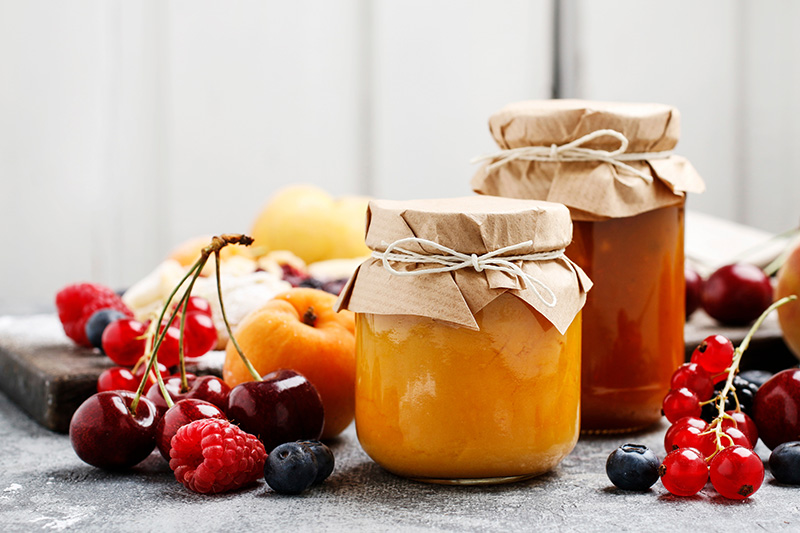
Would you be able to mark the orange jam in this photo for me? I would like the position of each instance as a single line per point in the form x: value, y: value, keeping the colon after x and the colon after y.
x: 448, y: 404
x: 634, y: 316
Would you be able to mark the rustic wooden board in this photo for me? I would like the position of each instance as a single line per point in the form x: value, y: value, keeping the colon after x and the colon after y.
x: 46, y: 375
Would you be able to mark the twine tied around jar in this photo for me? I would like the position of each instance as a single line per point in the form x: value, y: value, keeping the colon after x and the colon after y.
x: 574, y: 151
x: 450, y: 260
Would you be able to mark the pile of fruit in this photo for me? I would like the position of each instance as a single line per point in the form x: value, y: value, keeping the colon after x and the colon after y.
x: 215, y: 433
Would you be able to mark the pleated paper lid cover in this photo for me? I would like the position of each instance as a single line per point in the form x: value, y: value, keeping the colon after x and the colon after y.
x: 592, y: 189
x: 472, y: 226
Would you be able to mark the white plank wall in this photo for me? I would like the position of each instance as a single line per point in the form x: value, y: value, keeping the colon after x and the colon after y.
x: 127, y: 127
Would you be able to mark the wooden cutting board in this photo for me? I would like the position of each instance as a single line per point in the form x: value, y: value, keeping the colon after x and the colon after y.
x: 47, y: 376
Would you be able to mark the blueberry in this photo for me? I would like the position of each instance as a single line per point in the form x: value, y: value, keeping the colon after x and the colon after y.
x: 632, y: 467
x: 290, y: 468
x: 97, y: 323
x: 756, y: 377
x: 324, y: 457
x: 784, y: 462
x: 745, y: 392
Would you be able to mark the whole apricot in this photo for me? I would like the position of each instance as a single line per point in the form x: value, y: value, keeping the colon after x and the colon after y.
x: 788, y: 283
x: 299, y: 330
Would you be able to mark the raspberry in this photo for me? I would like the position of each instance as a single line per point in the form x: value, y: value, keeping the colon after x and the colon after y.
x: 77, y: 302
x: 213, y: 455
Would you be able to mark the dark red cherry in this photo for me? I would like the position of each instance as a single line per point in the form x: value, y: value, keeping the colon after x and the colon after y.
x: 180, y: 414
x: 105, y: 434
x: 117, y: 378
x: 776, y: 409
x: 737, y: 294
x: 207, y: 388
x: 694, y: 290
x: 284, y: 407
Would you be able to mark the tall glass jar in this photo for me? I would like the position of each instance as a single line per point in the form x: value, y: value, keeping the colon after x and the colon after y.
x: 612, y: 165
x: 469, y: 375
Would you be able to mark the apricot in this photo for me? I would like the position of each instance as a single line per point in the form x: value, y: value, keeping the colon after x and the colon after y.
x: 298, y: 330
x: 788, y: 283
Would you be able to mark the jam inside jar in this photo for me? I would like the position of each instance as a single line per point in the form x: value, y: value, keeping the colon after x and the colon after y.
x: 447, y: 404
x: 634, y: 317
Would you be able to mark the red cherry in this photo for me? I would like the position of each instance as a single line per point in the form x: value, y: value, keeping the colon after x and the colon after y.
x: 776, y: 409
x: 680, y: 403
x: 123, y: 341
x: 180, y: 414
x: 683, y: 472
x: 105, y: 434
x: 198, y: 304
x: 169, y: 350
x: 207, y: 388
x: 737, y: 294
x: 200, y: 334
x: 714, y: 354
x: 695, y: 378
x: 117, y: 378
x: 284, y: 407
x: 694, y: 289
x: 736, y: 472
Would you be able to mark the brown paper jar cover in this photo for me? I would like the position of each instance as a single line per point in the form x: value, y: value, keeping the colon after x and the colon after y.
x: 593, y: 190
x: 469, y: 225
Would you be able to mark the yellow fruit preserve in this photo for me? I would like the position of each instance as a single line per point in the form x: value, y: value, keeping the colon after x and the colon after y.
x: 633, y: 319
x: 449, y: 404
x: 468, y: 338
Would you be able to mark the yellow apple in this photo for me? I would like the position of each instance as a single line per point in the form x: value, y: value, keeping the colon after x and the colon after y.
x: 310, y: 223
x: 788, y: 283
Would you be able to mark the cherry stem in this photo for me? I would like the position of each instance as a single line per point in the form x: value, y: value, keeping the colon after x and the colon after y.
x: 734, y: 369
x: 185, y: 301
x: 245, y: 360
x: 160, y: 338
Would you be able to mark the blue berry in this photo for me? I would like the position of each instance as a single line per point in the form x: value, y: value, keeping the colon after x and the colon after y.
x: 290, y: 468
x: 784, y: 462
x: 632, y: 467
x: 97, y: 324
x: 325, y: 461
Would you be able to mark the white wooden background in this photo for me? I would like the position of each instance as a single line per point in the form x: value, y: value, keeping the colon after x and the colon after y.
x: 127, y: 127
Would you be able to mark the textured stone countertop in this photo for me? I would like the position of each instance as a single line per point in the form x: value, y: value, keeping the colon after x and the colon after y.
x: 44, y: 486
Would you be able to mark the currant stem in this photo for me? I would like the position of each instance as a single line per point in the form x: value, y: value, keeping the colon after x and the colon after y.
x: 734, y: 369
x: 256, y: 376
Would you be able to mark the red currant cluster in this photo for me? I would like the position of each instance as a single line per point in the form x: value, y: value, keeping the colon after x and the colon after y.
x: 721, y: 449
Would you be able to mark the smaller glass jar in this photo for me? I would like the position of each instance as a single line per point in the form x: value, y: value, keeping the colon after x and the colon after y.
x: 469, y: 375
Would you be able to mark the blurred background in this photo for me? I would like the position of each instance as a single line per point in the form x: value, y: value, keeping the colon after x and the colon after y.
x: 127, y: 127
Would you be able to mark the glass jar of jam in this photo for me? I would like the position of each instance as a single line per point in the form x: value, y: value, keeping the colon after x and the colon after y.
x: 469, y: 373
x: 612, y: 165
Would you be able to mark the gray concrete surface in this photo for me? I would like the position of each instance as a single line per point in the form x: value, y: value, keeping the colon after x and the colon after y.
x: 44, y: 486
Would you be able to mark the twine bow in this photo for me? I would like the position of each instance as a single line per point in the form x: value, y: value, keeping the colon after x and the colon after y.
x: 451, y: 259
x: 574, y: 151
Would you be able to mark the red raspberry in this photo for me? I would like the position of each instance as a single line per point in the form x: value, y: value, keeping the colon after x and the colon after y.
x: 213, y: 455
x: 77, y: 302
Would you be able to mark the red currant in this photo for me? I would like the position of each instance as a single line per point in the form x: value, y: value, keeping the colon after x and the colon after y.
x: 683, y: 472
x: 695, y: 378
x: 123, y: 341
x: 200, y: 334
x: 736, y: 472
x: 743, y: 423
x: 680, y: 403
x: 714, y: 354
x: 685, y: 437
x: 687, y: 421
